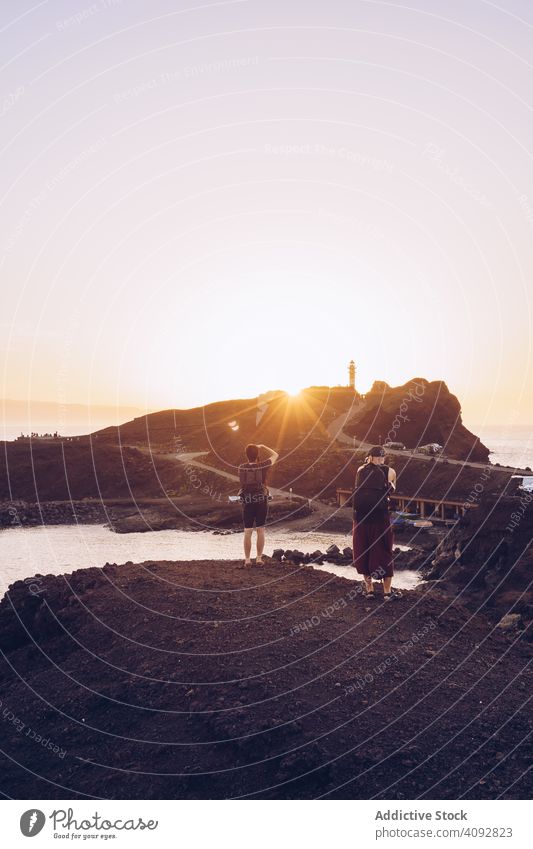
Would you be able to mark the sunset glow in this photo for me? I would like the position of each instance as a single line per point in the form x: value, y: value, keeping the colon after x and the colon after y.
x: 203, y: 197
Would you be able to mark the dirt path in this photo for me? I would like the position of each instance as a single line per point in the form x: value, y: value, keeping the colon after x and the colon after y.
x: 321, y: 513
x: 336, y: 428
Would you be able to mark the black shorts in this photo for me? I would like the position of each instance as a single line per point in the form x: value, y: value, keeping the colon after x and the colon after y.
x: 254, y: 509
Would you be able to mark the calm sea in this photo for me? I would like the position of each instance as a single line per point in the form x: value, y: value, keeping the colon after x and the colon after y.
x: 509, y: 445
x: 60, y: 549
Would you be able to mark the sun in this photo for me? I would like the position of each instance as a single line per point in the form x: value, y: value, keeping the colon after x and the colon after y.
x: 293, y: 390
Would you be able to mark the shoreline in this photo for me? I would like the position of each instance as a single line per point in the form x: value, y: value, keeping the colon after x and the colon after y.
x: 330, y: 551
x: 122, y: 515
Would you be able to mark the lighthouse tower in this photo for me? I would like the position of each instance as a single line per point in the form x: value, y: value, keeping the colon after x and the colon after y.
x: 351, y: 375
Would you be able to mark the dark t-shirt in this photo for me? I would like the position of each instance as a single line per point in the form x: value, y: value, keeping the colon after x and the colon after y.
x: 264, y: 465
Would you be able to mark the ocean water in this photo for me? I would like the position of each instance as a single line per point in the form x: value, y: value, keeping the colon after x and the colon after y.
x: 61, y: 549
x: 510, y: 445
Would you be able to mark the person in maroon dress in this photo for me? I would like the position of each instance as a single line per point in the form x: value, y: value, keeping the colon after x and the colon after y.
x: 372, y: 529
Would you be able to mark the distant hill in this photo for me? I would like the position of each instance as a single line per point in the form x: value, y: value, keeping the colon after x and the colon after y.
x: 416, y: 413
x: 110, y: 462
x: 113, y: 461
x: 275, y: 419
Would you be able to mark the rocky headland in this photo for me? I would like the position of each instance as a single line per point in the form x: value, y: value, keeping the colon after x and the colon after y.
x: 417, y: 413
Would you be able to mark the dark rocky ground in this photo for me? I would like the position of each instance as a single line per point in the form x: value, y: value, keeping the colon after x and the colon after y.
x: 487, y: 558
x: 203, y: 680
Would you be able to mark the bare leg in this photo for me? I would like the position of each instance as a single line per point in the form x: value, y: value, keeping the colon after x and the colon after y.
x: 260, y: 543
x: 247, y: 546
x: 368, y: 583
x: 387, y: 583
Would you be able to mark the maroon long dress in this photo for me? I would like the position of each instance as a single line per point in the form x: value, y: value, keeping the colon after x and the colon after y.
x: 372, y: 546
x: 372, y: 543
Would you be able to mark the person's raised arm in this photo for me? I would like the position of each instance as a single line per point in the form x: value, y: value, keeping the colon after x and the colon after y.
x: 273, y: 455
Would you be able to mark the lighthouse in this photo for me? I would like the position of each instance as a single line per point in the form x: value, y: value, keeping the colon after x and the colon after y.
x: 351, y: 375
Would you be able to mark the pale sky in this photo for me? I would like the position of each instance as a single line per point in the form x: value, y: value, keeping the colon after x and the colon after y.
x: 209, y: 200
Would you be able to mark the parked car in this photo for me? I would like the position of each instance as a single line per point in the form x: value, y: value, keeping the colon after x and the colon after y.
x: 431, y: 448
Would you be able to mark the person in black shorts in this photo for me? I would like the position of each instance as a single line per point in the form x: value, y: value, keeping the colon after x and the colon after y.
x: 254, y: 497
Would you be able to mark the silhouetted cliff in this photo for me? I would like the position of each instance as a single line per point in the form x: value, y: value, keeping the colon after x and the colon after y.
x: 417, y: 413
